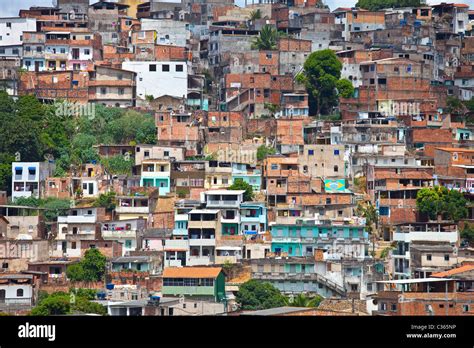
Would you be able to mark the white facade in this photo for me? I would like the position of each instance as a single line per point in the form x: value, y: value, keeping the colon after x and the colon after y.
x: 11, y: 34
x: 27, y: 178
x: 159, y: 78
x: 168, y: 31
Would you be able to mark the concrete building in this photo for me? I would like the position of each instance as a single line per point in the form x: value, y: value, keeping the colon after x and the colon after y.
x: 159, y: 78
x: 28, y: 178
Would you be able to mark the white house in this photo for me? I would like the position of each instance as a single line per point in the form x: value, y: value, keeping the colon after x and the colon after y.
x: 159, y: 78
x: 11, y: 34
x: 28, y: 178
x: 16, y: 292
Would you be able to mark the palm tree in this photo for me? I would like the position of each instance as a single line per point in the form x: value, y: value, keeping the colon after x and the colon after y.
x: 304, y: 301
x: 371, y: 215
x: 256, y: 14
x: 267, y: 40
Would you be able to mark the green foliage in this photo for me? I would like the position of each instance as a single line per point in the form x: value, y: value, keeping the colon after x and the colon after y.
x: 467, y: 233
x: 75, y: 272
x: 256, y: 295
x: 267, y: 40
x: 255, y: 14
x: 263, y: 151
x: 118, y: 164
x: 106, y: 200
x: 345, y: 88
x: 371, y: 215
x: 54, y: 206
x: 61, y: 303
x: 454, y: 105
x: 273, y: 108
x: 91, y: 268
x: 240, y: 184
x: 439, y: 201
x: 385, y: 252
x: 302, y: 300
x: 374, y: 5
x: 321, y: 76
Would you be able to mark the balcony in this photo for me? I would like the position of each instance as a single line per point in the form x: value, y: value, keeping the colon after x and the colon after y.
x: 286, y: 240
x: 200, y: 260
x: 119, y: 234
x: 235, y: 220
x: 33, y: 54
x: 223, y: 204
x: 56, y: 56
x: 181, y: 217
x: 79, y: 219
x: 176, y: 244
x: 202, y: 224
x: 202, y: 242
x: 132, y: 210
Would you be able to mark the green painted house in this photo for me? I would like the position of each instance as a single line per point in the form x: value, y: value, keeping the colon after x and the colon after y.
x: 202, y: 282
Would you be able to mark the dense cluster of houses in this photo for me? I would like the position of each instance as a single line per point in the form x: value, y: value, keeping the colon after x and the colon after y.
x: 179, y: 241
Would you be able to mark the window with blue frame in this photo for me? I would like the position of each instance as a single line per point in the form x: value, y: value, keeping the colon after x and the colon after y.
x: 310, y: 152
x: 336, y: 152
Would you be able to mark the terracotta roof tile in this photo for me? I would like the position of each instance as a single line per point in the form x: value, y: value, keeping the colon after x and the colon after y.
x: 451, y: 272
x: 191, y: 272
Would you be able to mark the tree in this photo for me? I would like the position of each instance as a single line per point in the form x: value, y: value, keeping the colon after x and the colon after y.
x: 267, y: 39
x: 240, y: 184
x: 374, y: 5
x: 255, y: 14
x: 256, y: 295
x: 93, y: 264
x: 62, y: 303
x: 438, y: 201
x: 321, y: 76
x: 371, y: 215
x: 106, y: 200
x: 455, y: 106
x: 55, y: 304
x: 75, y: 272
x: 117, y: 165
x: 467, y: 233
x: 263, y: 151
x: 304, y: 301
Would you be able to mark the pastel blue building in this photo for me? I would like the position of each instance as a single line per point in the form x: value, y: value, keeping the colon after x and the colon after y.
x: 156, y: 173
x: 251, y: 176
x: 302, y: 238
x: 253, y: 218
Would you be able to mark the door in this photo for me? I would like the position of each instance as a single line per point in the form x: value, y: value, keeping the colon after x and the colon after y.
x: 37, y: 66
x: 2, y: 296
x: 91, y: 188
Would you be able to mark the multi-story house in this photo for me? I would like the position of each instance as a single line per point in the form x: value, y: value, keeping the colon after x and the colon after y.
x: 11, y: 34
x: 307, y: 235
x: 28, y: 178
x: 123, y: 231
x: 156, y: 173
x: 407, y: 235
x: 253, y: 219
x: 112, y: 86
x: 82, y: 224
x: 34, y: 51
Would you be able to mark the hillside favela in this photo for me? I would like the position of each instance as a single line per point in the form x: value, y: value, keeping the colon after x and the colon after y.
x: 236, y: 158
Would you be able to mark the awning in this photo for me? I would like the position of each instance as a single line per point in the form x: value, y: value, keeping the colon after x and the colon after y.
x: 18, y: 168
x: 250, y: 232
x: 31, y: 168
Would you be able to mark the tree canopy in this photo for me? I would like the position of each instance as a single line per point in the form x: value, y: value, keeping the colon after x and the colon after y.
x: 36, y: 131
x: 256, y: 295
x: 91, y: 268
x: 439, y: 201
x: 267, y: 39
x: 322, y: 78
x: 62, y: 303
x: 374, y: 5
x: 240, y: 184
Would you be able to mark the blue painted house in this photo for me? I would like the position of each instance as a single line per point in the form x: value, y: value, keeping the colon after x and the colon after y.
x: 253, y: 218
x: 156, y: 173
x: 249, y: 175
x: 302, y: 238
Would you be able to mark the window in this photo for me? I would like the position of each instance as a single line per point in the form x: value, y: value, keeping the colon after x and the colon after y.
x: 165, y: 67
x: 19, y: 293
x: 166, y: 153
x: 73, y: 245
x: 103, y: 90
x: 310, y: 152
x: 121, y: 91
x: 87, y: 51
x: 428, y: 257
x: 446, y: 257
x: 179, y: 68
x: 465, y: 308
x: 336, y: 169
x: 393, y: 307
x: 9, y: 24
x: 5, y: 265
x: 152, y: 67
x: 336, y: 152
